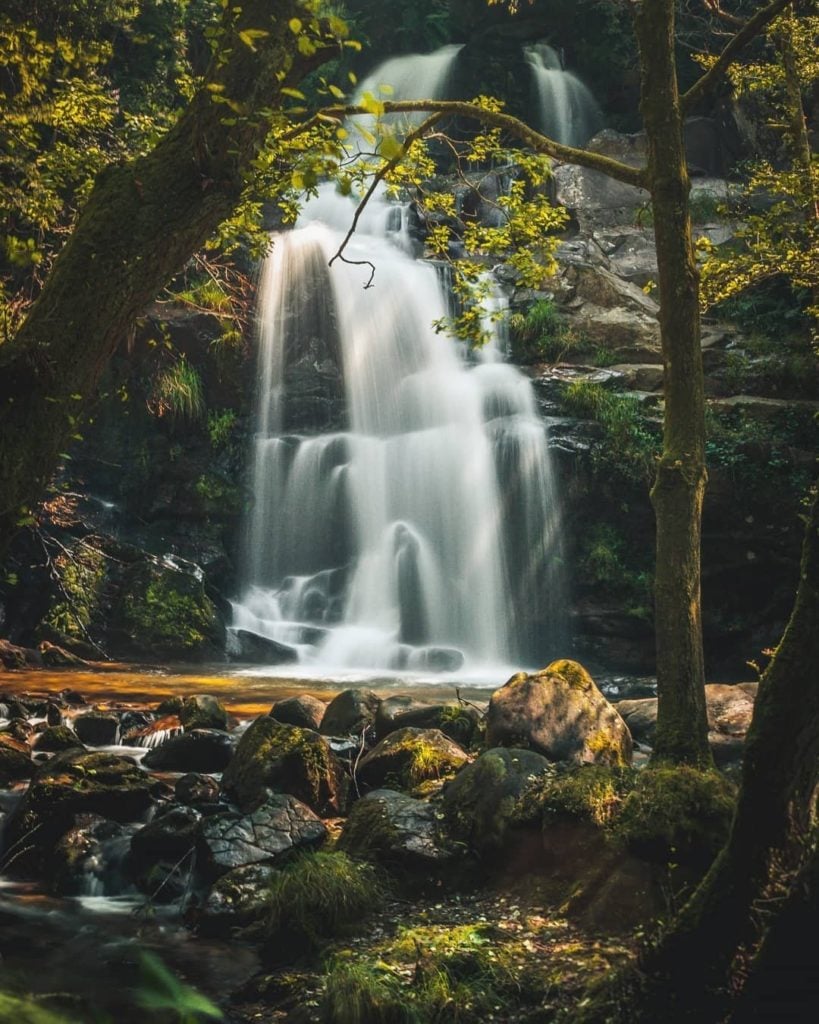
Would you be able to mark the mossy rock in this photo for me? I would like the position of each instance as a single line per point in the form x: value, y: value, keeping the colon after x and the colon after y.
x: 494, y: 794
x: 286, y: 759
x: 457, y: 721
x: 559, y: 713
x: 350, y: 712
x: 164, y: 611
x: 409, y: 757
x: 677, y: 815
x: 397, y: 831
x: 586, y: 793
x: 75, y: 782
x: 56, y: 738
x: 202, y: 711
x: 304, y: 710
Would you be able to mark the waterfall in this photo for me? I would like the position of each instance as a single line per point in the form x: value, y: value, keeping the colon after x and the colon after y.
x: 412, y: 525
x: 567, y: 111
x: 414, y: 76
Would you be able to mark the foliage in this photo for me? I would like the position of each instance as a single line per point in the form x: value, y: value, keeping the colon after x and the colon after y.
x: 318, y: 897
x: 26, y: 1010
x: 677, y: 815
x: 177, y: 390
x: 630, y: 445
x: 607, y: 564
x: 79, y: 574
x: 221, y: 425
x: 169, y: 608
x: 357, y: 993
x: 540, y: 334
x: 162, y: 991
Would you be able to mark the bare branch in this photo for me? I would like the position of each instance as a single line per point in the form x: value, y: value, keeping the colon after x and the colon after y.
x: 378, y: 177
x: 745, y: 35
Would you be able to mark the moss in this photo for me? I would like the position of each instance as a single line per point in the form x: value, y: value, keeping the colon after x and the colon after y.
x: 168, y: 609
x: 317, y: 898
x: 411, y: 757
x: 368, y: 831
x: 677, y: 815
x: 81, y: 575
x: 572, y: 673
x: 593, y: 793
x: 358, y: 993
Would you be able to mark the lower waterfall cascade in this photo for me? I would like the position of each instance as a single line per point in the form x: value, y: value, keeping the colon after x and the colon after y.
x: 419, y: 532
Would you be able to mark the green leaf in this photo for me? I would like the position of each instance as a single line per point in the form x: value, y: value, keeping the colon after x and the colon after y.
x: 295, y: 26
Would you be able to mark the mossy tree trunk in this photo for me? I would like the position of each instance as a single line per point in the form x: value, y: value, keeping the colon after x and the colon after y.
x: 142, y: 221
x: 679, y: 488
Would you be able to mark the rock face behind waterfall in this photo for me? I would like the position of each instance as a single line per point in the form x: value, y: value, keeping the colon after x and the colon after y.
x: 560, y: 713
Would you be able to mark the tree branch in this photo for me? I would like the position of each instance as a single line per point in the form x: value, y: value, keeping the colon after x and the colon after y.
x: 750, y: 31
x: 520, y: 130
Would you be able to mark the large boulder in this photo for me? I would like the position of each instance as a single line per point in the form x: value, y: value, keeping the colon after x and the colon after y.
x: 201, y: 711
x: 560, y: 713
x: 350, y: 712
x: 97, y: 729
x: 287, y: 759
x: 496, y: 793
x: 71, y: 783
x: 395, y: 830
x: 201, y: 750
x: 409, y: 757
x: 275, y: 830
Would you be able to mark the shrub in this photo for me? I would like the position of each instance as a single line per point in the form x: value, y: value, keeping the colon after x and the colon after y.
x: 177, y: 391
x: 540, y: 334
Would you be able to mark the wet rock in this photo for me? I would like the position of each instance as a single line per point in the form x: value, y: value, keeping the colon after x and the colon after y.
x: 97, y: 729
x: 408, y: 757
x: 262, y: 650
x: 278, y: 828
x: 237, y: 899
x: 89, y: 859
x: 350, y: 712
x: 457, y: 721
x: 641, y: 718
x: 202, y: 711
x: 15, y: 760
x: 169, y: 836
x: 395, y: 830
x: 200, y: 750
x: 75, y: 782
x: 56, y: 738
x: 20, y: 729
x: 441, y: 659
x: 285, y: 758
x: 13, y: 657
x: 495, y: 794
x: 54, y: 714
x: 560, y: 713
x: 154, y: 734
x: 304, y: 711
x: 194, y: 790
x: 133, y: 721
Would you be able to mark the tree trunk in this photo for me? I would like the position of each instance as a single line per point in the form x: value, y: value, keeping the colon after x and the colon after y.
x: 677, y: 495
x: 142, y: 221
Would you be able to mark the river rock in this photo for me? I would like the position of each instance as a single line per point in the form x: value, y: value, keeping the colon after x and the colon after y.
x: 237, y: 899
x: 350, y: 712
x: 278, y: 828
x: 395, y: 830
x: 56, y: 738
x: 457, y: 721
x: 408, y: 757
x: 496, y: 793
x: 262, y: 650
x: 195, y: 790
x: 75, y: 782
x: 200, y: 750
x: 285, y: 758
x: 304, y: 711
x: 641, y: 718
x: 97, y: 729
x: 89, y: 859
x: 15, y: 760
x: 202, y: 711
x: 155, y: 733
x: 560, y: 713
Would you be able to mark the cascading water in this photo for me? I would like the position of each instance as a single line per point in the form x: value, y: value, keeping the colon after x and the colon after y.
x: 419, y: 532
x: 414, y: 76
x: 568, y: 112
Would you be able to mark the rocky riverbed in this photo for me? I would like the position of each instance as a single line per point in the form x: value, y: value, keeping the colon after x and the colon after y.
x: 510, y: 846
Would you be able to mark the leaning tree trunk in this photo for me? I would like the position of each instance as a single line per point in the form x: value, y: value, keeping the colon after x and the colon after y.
x: 141, y: 223
x: 677, y: 495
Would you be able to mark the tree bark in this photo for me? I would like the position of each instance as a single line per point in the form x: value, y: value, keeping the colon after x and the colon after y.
x: 679, y: 488
x: 141, y: 223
